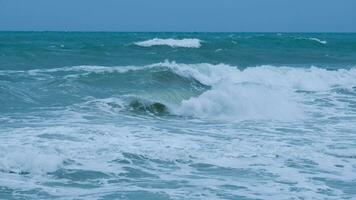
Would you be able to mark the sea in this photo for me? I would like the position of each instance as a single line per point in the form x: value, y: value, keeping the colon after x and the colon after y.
x: 158, y: 116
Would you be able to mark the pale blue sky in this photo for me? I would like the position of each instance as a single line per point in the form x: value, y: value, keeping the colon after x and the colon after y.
x: 179, y: 15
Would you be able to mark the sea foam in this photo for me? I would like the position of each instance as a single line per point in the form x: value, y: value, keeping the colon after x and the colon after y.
x: 187, y: 42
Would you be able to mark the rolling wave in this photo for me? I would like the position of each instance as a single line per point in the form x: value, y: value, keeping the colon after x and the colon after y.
x: 312, y: 78
x: 225, y: 92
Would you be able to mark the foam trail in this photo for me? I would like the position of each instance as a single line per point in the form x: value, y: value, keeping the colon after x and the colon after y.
x: 187, y: 43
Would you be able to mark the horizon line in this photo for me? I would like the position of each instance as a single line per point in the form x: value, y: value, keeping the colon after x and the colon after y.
x: 104, y: 31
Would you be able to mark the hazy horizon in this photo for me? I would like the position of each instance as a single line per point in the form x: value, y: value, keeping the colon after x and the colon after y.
x: 247, y: 32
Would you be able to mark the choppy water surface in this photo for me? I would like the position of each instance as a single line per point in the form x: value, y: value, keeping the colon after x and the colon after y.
x: 177, y: 116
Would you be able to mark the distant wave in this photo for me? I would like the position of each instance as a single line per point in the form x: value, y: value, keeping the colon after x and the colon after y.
x: 311, y: 39
x: 186, y: 43
x: 318, y: 40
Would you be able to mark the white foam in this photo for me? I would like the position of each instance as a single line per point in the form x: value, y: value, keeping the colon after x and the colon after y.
x: 28, y: 160
x: 244, y: 102
x: 187, y: 42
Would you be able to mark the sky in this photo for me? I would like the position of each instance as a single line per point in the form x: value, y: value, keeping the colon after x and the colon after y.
x: 179, y: 15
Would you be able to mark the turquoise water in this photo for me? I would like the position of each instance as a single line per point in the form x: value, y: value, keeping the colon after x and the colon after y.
x: 177, y: 115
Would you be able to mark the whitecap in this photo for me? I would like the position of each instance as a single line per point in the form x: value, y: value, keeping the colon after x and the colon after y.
x: 187, y: 42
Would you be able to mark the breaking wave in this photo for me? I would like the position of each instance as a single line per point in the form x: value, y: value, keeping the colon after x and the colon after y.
x: 264, y: 92
x: 214, y: 91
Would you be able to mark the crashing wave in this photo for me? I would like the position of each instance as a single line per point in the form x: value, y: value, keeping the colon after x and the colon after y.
x: 187, y: 43
x: 264, y: 92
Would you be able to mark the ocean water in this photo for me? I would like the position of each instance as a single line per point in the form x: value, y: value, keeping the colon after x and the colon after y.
x: 177, y: 116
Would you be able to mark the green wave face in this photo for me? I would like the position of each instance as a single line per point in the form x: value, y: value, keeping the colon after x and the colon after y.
x: 68, y: 86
